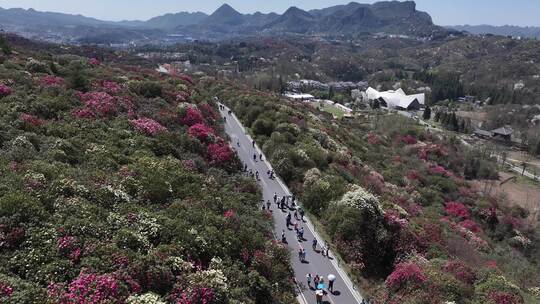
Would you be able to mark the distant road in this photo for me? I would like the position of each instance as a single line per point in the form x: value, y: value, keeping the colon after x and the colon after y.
x: 516, y: 168
x: 345, y: 291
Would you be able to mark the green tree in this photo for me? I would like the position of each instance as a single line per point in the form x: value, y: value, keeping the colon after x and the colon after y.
x: 53, y: 68
x: 263, y: 127
x: 4, y: 46
x: 77, y: 76
x: 427, y: 113
x: 331, y: 92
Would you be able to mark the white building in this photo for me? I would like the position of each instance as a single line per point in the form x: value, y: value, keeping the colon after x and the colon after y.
x: 397, y: 99
x: 296, y: 96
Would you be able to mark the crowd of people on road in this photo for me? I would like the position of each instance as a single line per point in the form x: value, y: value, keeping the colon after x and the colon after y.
x: 290, y: 208
x: 319, y: 285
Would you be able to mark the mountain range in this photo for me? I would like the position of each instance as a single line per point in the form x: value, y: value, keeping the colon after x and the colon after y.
x: 388, y: 17
x: 505, y: 30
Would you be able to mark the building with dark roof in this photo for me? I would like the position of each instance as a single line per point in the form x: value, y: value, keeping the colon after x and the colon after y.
x: 504, y: 133
x: 483, y: 133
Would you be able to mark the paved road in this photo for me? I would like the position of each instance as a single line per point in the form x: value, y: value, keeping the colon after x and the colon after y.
x: 344, y: 290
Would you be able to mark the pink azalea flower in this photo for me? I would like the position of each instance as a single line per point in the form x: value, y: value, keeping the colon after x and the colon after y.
x: 87, y: 288
x: 207, y: 111
x: 94, y: 61
x: 5, y: 90
x: 192, y: 117
x: 404, y: 274
x: 31, y: 119
x: 199, y: 295
x: 460, y: 271
x: 147, y: 126
x: 500, y: 297
x: 219, y: 153
x: 111, y: 87
x: 457, y: 209
x: 182, y: 96
x: 51, y: 81
x: 84, y: 113
x: 471, y: 225
x: 413, y: 175
x: 100, y: 103
x: 201, y: 132
x: 373, y: 139
x: 5, y: 290
x: 228, y: 214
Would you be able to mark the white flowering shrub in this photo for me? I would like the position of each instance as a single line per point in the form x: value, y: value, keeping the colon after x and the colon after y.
x: 361, y: 199
x: 311, y: 176
x: 147, y: 298
x: 20, y: 148
x: 212, y: 278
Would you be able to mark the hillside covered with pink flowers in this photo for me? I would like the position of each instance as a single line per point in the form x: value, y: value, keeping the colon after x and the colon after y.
x: 117, y: 186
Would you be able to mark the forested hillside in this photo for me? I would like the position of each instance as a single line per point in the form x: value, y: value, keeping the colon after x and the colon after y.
x: 396, y: 202
x: 116, y: 186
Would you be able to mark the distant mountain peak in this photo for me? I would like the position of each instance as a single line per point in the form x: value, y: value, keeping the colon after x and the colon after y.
x: 227, y: 10
x: 293, y: 10
x: 225, y: 14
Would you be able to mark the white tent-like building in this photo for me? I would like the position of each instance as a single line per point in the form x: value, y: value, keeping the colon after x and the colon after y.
x: 299, y: 96
x: 397, y: 99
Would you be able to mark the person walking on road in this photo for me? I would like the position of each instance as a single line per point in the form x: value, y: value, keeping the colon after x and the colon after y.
x: 314, y: 244
x: 253, y: 143
x: 268, y: 205
x: 283, y: 238
x: 302, y: 212
x: 260, y: 157
x: 301, y: 234
x: 331, y: 279
x: 288, y: 220
x: 316, y: 280
x: 327, y: 248
x: 319, y: 296
x: 308, y: 278
x: 275, y: 197
x: 255, y: 157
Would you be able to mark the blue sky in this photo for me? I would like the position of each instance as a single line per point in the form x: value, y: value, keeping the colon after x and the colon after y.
x: 444, y: 12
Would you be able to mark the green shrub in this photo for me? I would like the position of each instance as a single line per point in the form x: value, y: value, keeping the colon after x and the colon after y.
x: 21, y: 207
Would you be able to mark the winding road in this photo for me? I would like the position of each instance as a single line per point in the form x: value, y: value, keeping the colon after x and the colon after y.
x: 344, y: 290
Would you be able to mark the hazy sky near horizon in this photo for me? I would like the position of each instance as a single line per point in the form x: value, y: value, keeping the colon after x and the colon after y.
x: 444, y: 12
